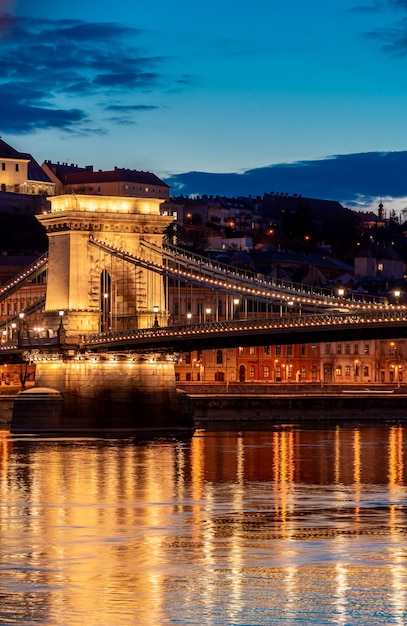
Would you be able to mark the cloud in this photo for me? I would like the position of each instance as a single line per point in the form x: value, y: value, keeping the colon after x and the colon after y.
x: 46, y: 62
x: 353, y: 179
x: 131, y: 107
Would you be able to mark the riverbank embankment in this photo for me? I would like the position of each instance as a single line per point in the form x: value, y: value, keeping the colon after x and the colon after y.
x: 235, y: 402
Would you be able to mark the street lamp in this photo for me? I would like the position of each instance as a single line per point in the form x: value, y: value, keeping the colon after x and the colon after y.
x: 341, y: 292
x: 208, y: 311
x: 236, y: 302
x: 155, y: 310
x: 189, y: 317
x: 397, y: 294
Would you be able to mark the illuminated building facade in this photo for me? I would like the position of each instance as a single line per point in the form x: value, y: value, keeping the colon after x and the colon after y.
x: 20, y: 173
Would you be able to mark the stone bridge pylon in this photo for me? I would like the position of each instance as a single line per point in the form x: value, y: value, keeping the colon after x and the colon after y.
x: 90, y: 291
x: 96, y: 291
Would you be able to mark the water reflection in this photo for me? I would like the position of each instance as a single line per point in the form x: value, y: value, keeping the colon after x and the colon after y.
x: 245, y: 527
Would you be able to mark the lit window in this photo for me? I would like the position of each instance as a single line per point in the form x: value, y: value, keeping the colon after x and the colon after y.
x: 252, y: 371
x: 266, y: 371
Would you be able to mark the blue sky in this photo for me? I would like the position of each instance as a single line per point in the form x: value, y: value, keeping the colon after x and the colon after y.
x: 267, y: 95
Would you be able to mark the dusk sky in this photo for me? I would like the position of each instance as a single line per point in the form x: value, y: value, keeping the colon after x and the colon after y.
x: 224, y: 97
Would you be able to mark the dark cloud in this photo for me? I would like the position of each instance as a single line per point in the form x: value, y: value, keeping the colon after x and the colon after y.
x: 131, y: 107
x: 42, y: 60
x: 348, y: 178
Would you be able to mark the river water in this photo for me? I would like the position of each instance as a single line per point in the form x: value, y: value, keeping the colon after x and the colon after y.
x: 290, y: 524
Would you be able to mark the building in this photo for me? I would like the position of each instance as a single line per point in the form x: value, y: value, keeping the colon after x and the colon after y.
x: 20, y: 173
x: 117, y: 182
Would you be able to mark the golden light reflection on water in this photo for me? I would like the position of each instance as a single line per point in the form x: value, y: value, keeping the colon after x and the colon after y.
x: 229, y: 527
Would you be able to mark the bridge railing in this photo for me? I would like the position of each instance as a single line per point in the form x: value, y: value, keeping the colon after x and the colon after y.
x: 28, y: 273
x: 304, y: 321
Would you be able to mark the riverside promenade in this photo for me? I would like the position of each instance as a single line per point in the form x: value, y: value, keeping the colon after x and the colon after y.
x: 296, y: 402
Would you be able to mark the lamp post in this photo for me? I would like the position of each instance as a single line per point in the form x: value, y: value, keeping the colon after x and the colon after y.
x: 208, y: 311
x: 155, y: 310
x: 397, y: 294
x: 341, y: 292
x: 189, y: 317
x: 61, y: 332
x: 236, y: 303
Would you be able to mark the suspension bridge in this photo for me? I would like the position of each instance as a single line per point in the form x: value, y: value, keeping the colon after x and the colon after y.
x: 111, y: 286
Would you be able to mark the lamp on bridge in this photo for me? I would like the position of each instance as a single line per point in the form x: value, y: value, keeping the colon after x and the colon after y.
x: 341, y: 292
x: 61, y: 332
x: 236, y: 303
x: 155, y: 310
x: 189, y: 317
x: 397, y: 294
x: 208, y: 311
x: 20, y: 330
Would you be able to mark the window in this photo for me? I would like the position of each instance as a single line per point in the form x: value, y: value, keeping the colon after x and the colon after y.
x: 366, y: 348
x: 266, y: 372
x: 278, y: 373
x: 3, y: 166
x: 278, y: 350
x: 266, y: 349
x: 219, y: 357
x: 338, y: 370
x: 241, y: 350
x: 219, y: 377
x: 303, y: 349
x: 347, y: 348
x: 188, y: 376
x: 314, y: 372
x: 289, y: 350
x: 327, y: 348
x: 252, y: 350
x: 347, y: 371
x: 187, y: 357
x: 303, y: 372
x: 366, y: 371
x: 17, y: 167
x: 338, y: 348
x: 251, y: 371
x: 356, y: 348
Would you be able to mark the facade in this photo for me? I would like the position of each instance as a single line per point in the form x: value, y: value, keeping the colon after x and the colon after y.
x: 20, y: 173
x: 343, y: 363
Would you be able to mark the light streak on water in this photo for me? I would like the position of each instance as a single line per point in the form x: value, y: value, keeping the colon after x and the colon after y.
x: 272, y: 525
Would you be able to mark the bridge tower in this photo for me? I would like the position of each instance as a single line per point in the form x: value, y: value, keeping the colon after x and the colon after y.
x: 86, y: 393
x: 96, y: 291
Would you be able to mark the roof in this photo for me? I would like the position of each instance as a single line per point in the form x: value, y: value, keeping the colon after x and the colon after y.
x: 116, y: 175
x: 8, y: 152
